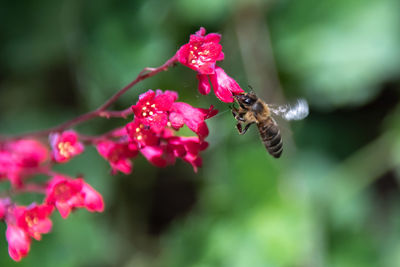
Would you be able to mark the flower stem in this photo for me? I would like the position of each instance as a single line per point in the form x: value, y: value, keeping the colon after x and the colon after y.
x: 102, y: 110
x: 116, y: 114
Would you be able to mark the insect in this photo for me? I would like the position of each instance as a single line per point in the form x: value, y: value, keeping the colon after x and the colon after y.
x: 252, y: 110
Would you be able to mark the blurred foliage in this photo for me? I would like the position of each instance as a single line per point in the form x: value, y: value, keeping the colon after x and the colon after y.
x: 342, y: 49
x: 331, y: 200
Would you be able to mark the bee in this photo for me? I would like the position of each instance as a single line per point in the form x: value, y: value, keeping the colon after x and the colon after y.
x: 252, y: 110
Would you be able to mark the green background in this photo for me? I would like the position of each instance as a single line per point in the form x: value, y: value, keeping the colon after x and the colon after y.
x: 331, y: 200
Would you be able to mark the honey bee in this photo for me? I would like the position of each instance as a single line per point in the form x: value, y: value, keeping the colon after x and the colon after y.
x: 254, y: 110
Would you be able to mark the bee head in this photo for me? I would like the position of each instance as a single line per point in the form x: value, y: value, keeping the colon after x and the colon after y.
x: 246, y: 99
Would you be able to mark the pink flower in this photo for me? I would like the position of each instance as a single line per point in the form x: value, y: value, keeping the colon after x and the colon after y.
x: 142, y: 135
x: 21, y: 158
x: 172, y: 147
x: 34, y: 219
x: 24, y: 223
x: 202, y: 52
x: 152, y: 108
x: 118, y: 155
x: 158, y: 156
x: 19, y: 242
x: 65, y: 145
x: 145, y: 131
x: 151, y: 134
x: 188, y: 148
x: 67, y: 194
x: 183, y: 113
x: 223, y: 85
x: 28, y: 153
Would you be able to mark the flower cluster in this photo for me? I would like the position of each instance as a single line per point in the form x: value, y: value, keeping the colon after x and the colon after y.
x: 158, y: 116
x: 24, y: 158
x: 152, y: 133
x: 26, y: 222
x: 201, y: 54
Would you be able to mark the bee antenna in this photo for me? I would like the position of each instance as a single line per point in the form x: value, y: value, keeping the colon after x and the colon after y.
x: 251, y: 89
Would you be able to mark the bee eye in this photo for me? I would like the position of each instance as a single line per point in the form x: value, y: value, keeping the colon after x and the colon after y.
x: 247, y: 101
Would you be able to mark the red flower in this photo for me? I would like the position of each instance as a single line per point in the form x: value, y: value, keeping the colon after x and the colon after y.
x: 118, y: 155
x: 145, y: 131
x: 202, y: 52
x: 152, y: 108
x: 27, y: 153
x: 183, y: 113
x: 223, y: 85
x: 172, y: 147
x: 188, y: 148
x: 21, y: 158
x: 24, y: 223
x: 142, y: 135
x: 67, y: 194
x: 19, y: 242
x: 152, y: 133
x: 65, y: 145
x: 34, y: 219
x: 158, y: 156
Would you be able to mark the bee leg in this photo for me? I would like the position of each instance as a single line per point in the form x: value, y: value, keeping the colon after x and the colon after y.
x: 234, y: 111
x: 239, y: 127
x: 238, y: 116
x: 246, y: 128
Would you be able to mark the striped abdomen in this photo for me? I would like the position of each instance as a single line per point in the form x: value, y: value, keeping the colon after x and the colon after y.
x: 271, y: 137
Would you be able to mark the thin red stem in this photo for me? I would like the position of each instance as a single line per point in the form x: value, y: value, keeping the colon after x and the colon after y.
x: 102, y: 110
x: 27, y: 188
x: 116, y: 114
x: 30, y: 188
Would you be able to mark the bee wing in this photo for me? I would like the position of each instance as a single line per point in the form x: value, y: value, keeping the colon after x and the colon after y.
x: 297, y: 111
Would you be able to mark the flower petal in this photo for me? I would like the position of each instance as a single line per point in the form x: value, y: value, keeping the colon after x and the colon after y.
x: 202, y: 52
x: 224, y: 86
x: 93, y: 199
x: 204, y: 84
x: 176, y: 119
x: 18, y: 242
